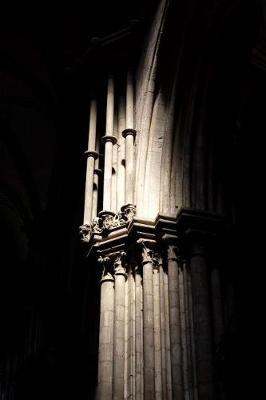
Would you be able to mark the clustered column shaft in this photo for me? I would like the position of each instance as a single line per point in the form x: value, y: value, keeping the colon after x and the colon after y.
x: 155, y: 326
x: 119, y: 328
x: 92, y: 155
x: 148, y: 324
x: 174, y: 316
x: 106, y: 339
x: 109, y: 140
x: 201, y: 317
x: 129, y: 134
x: 118, y: 161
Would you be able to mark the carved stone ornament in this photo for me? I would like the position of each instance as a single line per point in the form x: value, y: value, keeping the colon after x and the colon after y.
x: 119, y: 266
x: 129, y: 212
x: 146, y: 251
x: 157, y: 261
x: 172, y: 252
x: 85, y: 232
x: 118, y: 220
x: 107, y: 221
x: 107, y: 268
x: 97, y: 225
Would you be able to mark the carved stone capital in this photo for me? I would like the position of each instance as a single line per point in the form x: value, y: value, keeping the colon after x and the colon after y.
x: 147, y: 250
x: 119, y: 263
x: 107, y: 218
x: 128, y: 212
x: 172, y: 252
x: 138, y: 269
x: 172, y: 247
x: 107, y: 269
x: 157, y: 261
x: 85, y: 232
x: 110, y: 220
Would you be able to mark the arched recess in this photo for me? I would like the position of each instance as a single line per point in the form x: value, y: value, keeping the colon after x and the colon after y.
x: 187, y: 98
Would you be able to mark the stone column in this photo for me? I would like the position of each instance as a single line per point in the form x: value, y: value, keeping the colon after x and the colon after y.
x: 106, y: 337
x: 121, y: 155
x: 148, y: 326
x: 97, y: 173
x: 157, y: 330
x: 139, y: 333
x: 130, y: 101
x: 114, y: 168
x: 174, y: 314
x: 190, y: 323
x: 92, y: 155
x: 167, y: 339
x: 109, y: 140
x: 132, y: 341
x: 127, y: 338
x: 201, y: 314
x: 191, y: 364
x: 119, y: 327
x: 129, y: 134
x: 163, y: 329
x: 184, y: 333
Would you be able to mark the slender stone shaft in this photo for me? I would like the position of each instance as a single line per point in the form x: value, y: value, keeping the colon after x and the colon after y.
x: 121, y: 155
x: 184, y: 335
x: 109, y: 141
x: 114, y: 179
x: 163, y: 331
x: 192, y: 335
x: 88, y: 204
x: 202, y: 320
x: 129, y: 134
x: 148, y: 326
x: 167, y: 340
x: 189, y: 341
x: 97, y: 172
x: 110, y: 106
x: 106, y: 339
x: 127, y: 335
x: 175, y: 331
x: 107, y: 183
x: 157, y: 333
x: 130, y: 102
x: 92, y: 125
x: 119, y: 330
x: 139, y: 335
x: 132, y: 338
x: 91, y: 157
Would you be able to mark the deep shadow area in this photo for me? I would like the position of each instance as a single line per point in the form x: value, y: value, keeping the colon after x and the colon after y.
x: 49, y: 295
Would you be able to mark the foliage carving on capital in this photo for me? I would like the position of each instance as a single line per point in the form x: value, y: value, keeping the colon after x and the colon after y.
x: 172, y: 252
x: 119, y: 263
x: 106, y: 221
x: 85, y: 232
x: 107, y: 268
x: 147, y: 253
x: 128, y: 212
x: 157, y: 261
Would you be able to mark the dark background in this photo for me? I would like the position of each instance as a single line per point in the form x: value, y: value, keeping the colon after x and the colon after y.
x: 49, y: 68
